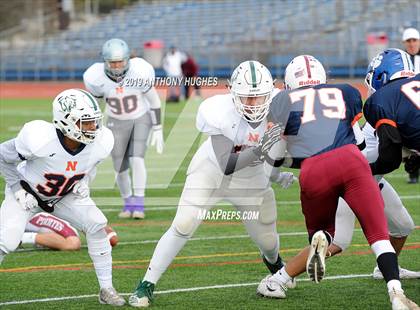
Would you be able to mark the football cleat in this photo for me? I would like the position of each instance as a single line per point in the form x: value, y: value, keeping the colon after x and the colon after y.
x: 137, y: 207
x: 124, y: 214
x: 271, y: 287
x: 109, y: 296
x: 400, y: 302
x: 143, y: 295
x: 404, y: 274
x: 315, y: 264
x: 138, y: 215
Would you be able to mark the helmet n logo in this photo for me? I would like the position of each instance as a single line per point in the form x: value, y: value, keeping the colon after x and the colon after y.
x: 71, y: 166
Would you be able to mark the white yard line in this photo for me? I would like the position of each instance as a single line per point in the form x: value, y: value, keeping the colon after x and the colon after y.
x: 297, y: 233
x: 170, y: 203
x: 180, y: 290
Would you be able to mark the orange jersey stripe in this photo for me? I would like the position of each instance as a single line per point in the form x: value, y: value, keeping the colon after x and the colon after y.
x: 385, y: 121
x: 356, y: 118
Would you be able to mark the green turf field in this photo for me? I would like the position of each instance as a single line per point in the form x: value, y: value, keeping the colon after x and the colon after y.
x: 209, y: 273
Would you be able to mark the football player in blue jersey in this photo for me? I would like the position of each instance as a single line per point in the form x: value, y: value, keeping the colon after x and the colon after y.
x: 393, y: 109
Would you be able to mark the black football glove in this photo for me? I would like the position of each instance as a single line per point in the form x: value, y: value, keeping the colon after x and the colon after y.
x: 412, y: 163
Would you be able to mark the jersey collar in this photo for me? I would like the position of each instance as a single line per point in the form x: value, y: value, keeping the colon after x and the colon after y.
x: 60, y: 136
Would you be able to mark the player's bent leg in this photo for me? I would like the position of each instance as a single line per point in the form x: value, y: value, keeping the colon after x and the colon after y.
x: 170, y: 244
x: 344, y: 228
x: 400, y: 225
x: 83, y: 214
x: 13, y: 219
x: 361, y: 191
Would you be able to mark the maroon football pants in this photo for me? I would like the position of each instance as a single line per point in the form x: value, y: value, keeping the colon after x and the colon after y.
x: 342, y: 172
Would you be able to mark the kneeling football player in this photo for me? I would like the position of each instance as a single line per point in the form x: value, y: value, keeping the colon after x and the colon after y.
x: 48, y: 167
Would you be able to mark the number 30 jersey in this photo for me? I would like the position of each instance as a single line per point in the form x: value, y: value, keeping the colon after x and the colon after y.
x: 49, y: 167
x: 124, y: 99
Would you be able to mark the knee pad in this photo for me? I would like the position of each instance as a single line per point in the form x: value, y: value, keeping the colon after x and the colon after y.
x: 95, y: 221
x: 9, y: 245
x: 268, y: 209
x: 400, y: 223
x: 187, y: 220
x: 401, y: 227
x: 268, y: 242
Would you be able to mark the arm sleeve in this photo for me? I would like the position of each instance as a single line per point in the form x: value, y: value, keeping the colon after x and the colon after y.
x: 154, y: 101
x: 390, y: 150
x: 228, y: 160
x: 279, y: 109
x: 9, y: 158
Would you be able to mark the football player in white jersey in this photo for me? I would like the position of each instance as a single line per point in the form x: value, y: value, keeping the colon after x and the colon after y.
x: 134, y: 117
x: 226, y: 167
x: 48, y: 167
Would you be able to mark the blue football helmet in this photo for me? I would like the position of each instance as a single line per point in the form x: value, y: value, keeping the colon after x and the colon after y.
x: 116, y: 50
x: 389, y: 65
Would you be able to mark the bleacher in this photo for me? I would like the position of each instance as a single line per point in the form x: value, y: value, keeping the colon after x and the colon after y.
x: 220, y: 34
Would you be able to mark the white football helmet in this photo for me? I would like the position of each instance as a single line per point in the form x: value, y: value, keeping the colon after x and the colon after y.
x: 304, y: 70
x: 77, y: 114
x: 116, y: 50
x: 251, y: 86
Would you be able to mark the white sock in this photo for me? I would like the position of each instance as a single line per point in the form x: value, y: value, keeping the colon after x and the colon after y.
x: 124, y: 183
x: 394, y: 285
x: 166, y: 250
x: 29, y: 238
x: 138, y: 170
x: 282, y: 276
x: 100, y: 252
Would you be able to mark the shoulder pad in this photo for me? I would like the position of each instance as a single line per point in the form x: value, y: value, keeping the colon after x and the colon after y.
x: 105, y: 142
x: 34, y: 137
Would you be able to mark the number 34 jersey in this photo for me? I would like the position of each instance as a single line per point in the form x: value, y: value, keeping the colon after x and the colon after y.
x: 124, y: 99
x: 49, y: 167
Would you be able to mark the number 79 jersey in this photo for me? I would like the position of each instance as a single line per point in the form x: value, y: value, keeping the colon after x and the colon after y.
x: 124, y: 99
x: 49, y: 167
x: 317, y: 119
x: 397, y: 104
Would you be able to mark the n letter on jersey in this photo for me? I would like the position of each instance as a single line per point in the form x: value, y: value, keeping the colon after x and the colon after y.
x: 253, y: 137
x: 71, y: 166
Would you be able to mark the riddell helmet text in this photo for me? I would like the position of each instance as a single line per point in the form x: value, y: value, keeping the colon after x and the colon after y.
x: 309, y: 82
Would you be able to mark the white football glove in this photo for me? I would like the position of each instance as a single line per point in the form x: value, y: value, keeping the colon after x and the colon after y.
x: 81, y: 189
x: 284, y: 179
x: 156, y: 138
x: 27, y: 201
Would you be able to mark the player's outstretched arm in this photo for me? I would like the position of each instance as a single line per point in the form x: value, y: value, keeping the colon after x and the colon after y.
x: 229, y: 159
